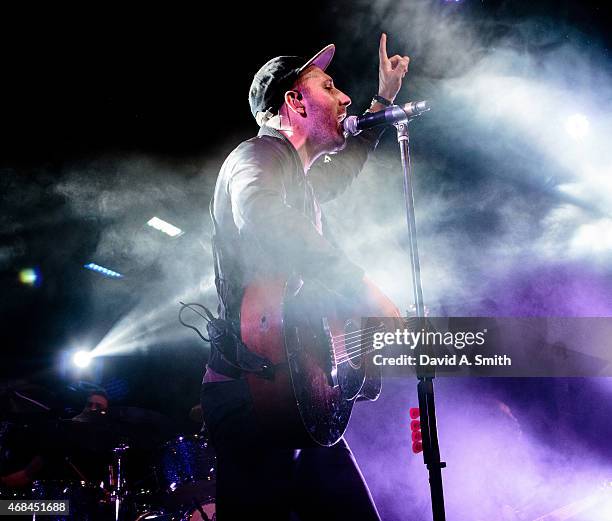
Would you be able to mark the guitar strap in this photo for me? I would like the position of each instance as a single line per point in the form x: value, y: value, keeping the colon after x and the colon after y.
x: 228, y: 353
x: 220, y: 283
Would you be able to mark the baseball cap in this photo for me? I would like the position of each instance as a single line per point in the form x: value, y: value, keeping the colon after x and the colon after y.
x: 276, y: 77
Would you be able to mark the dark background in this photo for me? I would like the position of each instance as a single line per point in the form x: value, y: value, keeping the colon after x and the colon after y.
x: 110, y: 117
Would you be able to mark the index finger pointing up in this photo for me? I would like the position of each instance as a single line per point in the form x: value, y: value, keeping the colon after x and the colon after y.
x: 382, y: 48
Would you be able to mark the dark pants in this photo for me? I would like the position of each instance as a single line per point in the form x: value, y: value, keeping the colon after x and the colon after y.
x: 321, y: 483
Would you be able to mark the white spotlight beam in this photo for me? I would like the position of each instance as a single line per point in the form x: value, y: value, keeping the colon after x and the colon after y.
x: 82, y: 359
x: 577, y: 126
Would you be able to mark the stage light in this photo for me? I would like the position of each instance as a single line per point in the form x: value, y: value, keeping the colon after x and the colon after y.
x: 577, y: 126
x: 165, y: 227
x: 82, y: 359
x: 102, y: 270
x: 30, y: 276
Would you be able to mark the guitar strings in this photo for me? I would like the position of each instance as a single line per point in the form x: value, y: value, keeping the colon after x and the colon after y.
x: 349, y: 347
x: 355, y: 339
x: 354, y: 357
x: 356, y: 332
x: 342, y: 361
x: 354, y: 342
x: 354, y: 345
x: 355, y: 350
x: 410, y: 323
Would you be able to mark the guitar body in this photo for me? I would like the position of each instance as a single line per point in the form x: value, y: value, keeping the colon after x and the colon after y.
x: 313, y: 340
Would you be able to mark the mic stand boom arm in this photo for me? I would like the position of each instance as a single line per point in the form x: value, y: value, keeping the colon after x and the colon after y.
x: 425, y: 388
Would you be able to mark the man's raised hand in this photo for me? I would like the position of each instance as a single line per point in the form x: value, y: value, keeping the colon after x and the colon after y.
x: 391, y: 71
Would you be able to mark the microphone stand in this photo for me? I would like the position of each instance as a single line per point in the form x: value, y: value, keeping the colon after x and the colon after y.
x: 425, y: 387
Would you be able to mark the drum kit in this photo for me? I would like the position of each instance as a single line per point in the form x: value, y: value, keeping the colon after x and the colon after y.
x: 150, y: 472
x: 185, y: 472
x: 181, y: 488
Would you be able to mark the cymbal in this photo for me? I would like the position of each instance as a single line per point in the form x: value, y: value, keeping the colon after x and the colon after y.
x: 138, y: 428
x: 21, y: 398
x: 83, y: 387
x: 137, y: 415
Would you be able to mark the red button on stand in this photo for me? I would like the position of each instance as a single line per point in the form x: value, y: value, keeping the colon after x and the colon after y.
x: 415, y: 427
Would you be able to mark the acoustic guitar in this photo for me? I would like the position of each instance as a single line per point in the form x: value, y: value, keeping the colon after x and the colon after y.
x: 319, y: 345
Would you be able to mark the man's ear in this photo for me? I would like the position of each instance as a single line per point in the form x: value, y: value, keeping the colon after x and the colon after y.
x: 293, y: 100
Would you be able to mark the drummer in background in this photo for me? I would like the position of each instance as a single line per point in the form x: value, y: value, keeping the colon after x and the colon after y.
x: 97, y: 403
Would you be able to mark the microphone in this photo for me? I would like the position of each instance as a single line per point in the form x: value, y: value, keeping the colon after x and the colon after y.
x: 393, y: 114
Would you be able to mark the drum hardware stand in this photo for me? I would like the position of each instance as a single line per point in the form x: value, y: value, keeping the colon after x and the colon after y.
x: 116, y: 480
x: 82, y: 476
x: 425, y: 388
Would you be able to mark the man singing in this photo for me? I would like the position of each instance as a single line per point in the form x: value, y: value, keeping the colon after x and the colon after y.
x: 268, y: 221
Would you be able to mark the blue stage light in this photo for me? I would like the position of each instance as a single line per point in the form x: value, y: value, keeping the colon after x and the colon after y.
x: 102, y: 270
